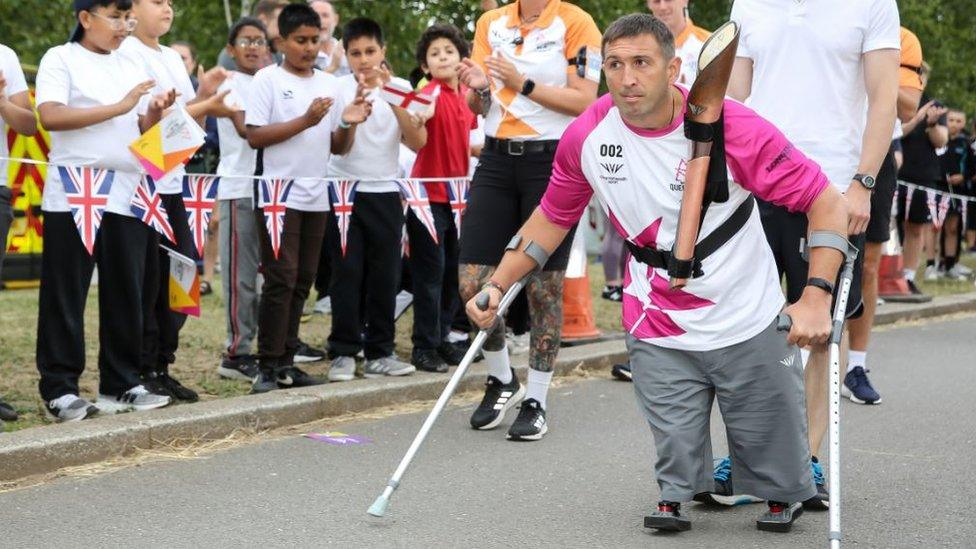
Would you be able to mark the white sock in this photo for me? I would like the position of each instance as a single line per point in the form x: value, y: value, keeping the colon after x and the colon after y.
x: 538, y: 386
x: 499, y: 365
x: 909, y: 274
x: 804, y: 356
x: 856, y: 358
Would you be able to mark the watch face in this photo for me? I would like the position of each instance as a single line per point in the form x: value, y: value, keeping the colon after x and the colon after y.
x: 868, y: 182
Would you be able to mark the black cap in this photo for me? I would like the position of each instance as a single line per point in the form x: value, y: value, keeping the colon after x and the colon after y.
x: 80, y: 6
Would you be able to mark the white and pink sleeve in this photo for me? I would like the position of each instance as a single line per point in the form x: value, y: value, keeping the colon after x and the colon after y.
x: 765, y: 163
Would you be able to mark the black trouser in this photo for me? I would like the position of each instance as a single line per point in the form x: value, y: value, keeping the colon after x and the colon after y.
x: 162, y: 326
x: 367, y: 277
x: 121, y: 250
x: 6, y: 218
x: 287, y: 281
x: 323, y: 277
x: 434, y: 270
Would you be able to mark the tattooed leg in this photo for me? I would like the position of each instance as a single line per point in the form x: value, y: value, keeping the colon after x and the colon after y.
x: 546, y: 318
x: 471, y: 278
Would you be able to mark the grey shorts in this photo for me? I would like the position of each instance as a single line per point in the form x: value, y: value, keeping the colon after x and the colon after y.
x: 759, y: 386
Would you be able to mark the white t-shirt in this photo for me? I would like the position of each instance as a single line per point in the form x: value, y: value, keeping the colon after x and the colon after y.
x: 16, y: 83
x: 807, y: 75
x: 166, y: 67
x: 74, y: 76
x: 638, y: 177
x: 279, y: 96
x: 375, y: 153
x: 236, y: 156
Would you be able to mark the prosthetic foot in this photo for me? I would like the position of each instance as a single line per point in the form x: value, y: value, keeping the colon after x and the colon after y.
x: 779, y: 517
x: 668, y: 518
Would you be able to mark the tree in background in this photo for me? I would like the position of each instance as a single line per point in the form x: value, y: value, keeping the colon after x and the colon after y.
x: 946, y: 29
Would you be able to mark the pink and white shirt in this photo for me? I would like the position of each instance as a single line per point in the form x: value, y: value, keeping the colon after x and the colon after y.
x: 638, y: 177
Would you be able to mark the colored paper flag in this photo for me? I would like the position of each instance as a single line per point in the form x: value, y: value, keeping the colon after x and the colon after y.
x: 272, y: 199
x: 184, y: 284
x: 399, y: 94
x: 415, y: 194
x: 168, y: 144
x: 87, y: 192
x: 200, y: 198
x: 342, y: 195
x: 147, y: 205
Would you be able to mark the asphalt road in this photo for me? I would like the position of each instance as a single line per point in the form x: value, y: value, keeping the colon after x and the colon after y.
x: 907, y: 466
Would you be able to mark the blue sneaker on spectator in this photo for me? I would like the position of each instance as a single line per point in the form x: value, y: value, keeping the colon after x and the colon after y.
x: 821, y: 501
x: 857, y: 387
x: 723, y: 494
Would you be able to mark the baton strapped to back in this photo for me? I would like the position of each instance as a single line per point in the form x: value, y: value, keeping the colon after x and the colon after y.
x: 705, y: 178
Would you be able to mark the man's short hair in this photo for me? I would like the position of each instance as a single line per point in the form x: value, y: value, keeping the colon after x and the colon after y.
x: 294, y: 16
x: 241, y: 24
x: 267, y: 8
x: 362, y: 27
x: 441, y: 31
x: 638, y: 24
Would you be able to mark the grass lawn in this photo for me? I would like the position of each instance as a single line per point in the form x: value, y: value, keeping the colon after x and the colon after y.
x: 202, y: 340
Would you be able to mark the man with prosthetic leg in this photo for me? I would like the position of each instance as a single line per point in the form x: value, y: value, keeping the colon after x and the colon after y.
x: 709, y: 332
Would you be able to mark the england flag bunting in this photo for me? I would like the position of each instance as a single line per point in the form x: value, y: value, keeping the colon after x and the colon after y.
x: 272, y: 199
x: 87, y: 192
x: 415, y: 194
x: 342, y: 195
x: 457, y: 194
x: 147, y: 205
x: 200, y: 198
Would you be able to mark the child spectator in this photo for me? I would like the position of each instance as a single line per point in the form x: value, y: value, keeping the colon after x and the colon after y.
x: 297, y: 120
x: 434, y: 265
x: 366, y: 274
x: 240, y: 253
x: 266, y: 11
x: 87, y: 97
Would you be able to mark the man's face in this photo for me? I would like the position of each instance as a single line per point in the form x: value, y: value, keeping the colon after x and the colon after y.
x: 671, y: 12
x: 155, y: 16
x: 638, y: 76
x: 187, y: 56
x: 327, y: 15
x: 301, y: 48
x: 365, y: 55
x: 956, y: 121
x: 105, y: 27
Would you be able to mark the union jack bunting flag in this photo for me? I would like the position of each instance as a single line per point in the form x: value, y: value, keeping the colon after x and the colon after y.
x: 147, y: 205
x: 273, y: 199
x: 415, y: 195
x: 457, y: 193
x: 200, y: 198
x: 87, y: 192
x: 939, y: 216
x: 342, y: 196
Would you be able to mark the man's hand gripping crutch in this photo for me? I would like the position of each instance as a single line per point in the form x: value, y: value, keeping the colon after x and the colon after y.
x: 523, y: 257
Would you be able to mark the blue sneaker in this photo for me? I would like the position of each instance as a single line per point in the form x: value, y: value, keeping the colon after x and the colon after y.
x: 723, y: 494
x: 857, y: 387
x: 821, y: 501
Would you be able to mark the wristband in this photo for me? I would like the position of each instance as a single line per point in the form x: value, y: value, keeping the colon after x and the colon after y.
x: 343, y: 125
x: 495, y: 285
x: 822, y: 284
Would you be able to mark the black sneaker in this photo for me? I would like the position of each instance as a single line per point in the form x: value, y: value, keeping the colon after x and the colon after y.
x: 530, y: 423
x: 293, y: 377
x: 306, y: 353
x: 155, y: 385
x: 913, y: 288
x: 622, y: 372
x: 821, y: 501
x: 175, y: 388
x: 242, y: 368
x: 613, y: 293
x: 266, y: 380
x: 428, y: 360
x: 452, y: 353
x: 779, y: 517
x: 498, y: 399
x: 668, y: 518
x: 7, y: 412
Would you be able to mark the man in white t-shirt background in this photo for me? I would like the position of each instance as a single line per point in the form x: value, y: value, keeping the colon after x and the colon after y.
x: 332, y: 54
x: 15, y: 112
x: 814, y: 69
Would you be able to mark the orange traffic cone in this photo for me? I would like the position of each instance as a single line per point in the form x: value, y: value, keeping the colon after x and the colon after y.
x: 892, y: 285
x: 578, y: 320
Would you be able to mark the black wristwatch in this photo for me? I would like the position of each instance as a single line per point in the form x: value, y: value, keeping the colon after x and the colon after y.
x: 528, y: 87
x: 866, y: 181
x: 824, y: 285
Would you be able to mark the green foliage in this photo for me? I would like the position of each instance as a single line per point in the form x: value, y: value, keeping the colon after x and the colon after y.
x: 945, y: 28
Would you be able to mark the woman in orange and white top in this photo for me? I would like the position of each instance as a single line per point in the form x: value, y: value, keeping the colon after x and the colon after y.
x: 688, y: 38
x: 535, y: 67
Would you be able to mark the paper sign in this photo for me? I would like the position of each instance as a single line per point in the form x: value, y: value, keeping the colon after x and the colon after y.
x: 184, y: 284
x: 168, y: 144
x: 339, y: 439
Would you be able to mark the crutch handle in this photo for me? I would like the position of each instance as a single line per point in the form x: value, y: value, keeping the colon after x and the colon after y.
x: 784, y: 323
x: 483, y: 300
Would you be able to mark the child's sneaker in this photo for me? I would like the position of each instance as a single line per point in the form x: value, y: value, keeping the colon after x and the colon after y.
x: 136, y: 399
x: 69, y: 408
x: 388, y: 366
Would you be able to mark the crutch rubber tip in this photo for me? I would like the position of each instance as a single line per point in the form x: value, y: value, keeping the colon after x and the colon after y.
x: 378, y: 508
x: 784, y: 323
x: 482, y: 301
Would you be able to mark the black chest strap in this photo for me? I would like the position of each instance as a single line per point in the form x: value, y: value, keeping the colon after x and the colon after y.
x: 662, y: 259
